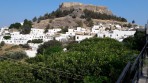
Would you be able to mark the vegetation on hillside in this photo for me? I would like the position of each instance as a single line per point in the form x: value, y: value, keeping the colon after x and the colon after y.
x: 95, y: 15
x: 24, y: 29
x: 94, y: 60
x: 50, y: 47
x: 15, y: 26
x: 35, y: 41
x: 2, y: 44
x: 54, y: 14
x: 86, y: 14
x: 7, y: 37
x: 17, y: 55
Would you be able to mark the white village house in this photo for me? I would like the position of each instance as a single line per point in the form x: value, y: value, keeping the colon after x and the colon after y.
x: 79, y: 34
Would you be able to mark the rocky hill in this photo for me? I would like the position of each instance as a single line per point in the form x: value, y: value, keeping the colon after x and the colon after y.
x: 73, y: 14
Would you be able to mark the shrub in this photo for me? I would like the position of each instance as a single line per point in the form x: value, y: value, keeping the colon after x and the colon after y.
x: 64, y: 30
x: 18, y: 55
x: 15, y: 26
x: 137, y: 42
x: 90, y: 14
x: 50, y: 47
x: 95, y: 59
x: 25, y: 46
x: 2, y: 43
x: 35, y: 41
x: 7, y: 37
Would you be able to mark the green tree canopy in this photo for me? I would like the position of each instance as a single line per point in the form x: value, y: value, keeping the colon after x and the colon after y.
x: 95, y: 15
x: 50, y: 47
x: 95, y: 59
x: 137, y: 41
x: 15, y: 26
x: 34, y: 19
x: 26, y: 28
x: 7, y: 37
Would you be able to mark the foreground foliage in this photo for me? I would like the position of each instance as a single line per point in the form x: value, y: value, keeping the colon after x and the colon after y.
x: 94, y: 60
x: 137, y: 41
x: 50, y: 47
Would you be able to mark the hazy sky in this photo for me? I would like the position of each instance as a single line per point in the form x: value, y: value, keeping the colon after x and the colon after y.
x: 12, y: 11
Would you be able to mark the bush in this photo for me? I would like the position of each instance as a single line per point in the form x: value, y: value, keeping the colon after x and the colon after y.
x: 15, y: 26
x: 137, y: 42
x: 50, y: 47
x: 26, y: 28
x: 95, y: 59
x: 7, y: 37
x: 25, y: 46
x: 2, y: 43
x: 18, y: 55
x: 64, y: 30
x: 35, y: 41
x: 90, y: 14
x: 17, y: 72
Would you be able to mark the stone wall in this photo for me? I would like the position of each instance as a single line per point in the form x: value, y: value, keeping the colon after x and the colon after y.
x: 76, y: 5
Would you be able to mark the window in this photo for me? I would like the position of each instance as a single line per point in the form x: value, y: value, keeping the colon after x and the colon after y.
x: 77, y: 37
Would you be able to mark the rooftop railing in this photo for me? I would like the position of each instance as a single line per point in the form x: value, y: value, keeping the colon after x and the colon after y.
x: 132, y: 71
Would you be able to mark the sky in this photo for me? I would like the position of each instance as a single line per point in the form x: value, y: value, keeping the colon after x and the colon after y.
x: 12, y: 11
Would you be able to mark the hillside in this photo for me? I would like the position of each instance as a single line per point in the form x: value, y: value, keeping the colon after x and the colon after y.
x: 7, y: 48
x: 73, y: 14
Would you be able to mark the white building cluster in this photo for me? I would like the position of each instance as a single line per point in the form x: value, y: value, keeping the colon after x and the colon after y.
x: 109, y: 30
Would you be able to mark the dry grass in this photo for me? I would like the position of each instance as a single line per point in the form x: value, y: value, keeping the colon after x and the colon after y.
x: 8, y: 48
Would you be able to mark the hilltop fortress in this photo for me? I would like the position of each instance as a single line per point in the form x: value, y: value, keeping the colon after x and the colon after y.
x: 80, y: 6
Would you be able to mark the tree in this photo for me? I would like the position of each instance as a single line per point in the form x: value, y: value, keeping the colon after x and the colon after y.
x: 46, y: 29
x: 129, y: 25
x: 136, y: 42
x: 64, y: 30
x: 18, y: 55
x: 34, y: 19
x: 95, y: 15
x: 15, y: 26
x: 50, y: 47
x: 26, y: 28
x: 17, y: 72
x: 46, y: 16
x: 7, y: 37
x: 92, y: 60
x: 50, y: 21
x: 91, y: 23
x: 80, y: 24
x: 25, y: 46
x: 35, y: 41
